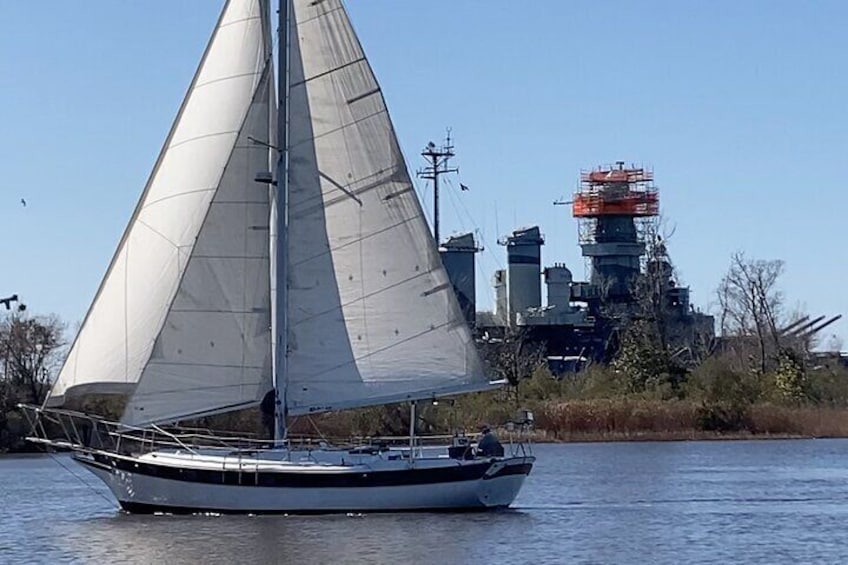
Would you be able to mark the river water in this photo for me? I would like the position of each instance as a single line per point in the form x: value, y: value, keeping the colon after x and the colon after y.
x: 672, y: 502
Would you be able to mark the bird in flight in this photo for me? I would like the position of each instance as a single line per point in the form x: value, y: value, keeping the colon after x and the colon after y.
x: 23, y: 202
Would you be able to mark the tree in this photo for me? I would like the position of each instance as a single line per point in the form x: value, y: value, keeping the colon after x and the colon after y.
x: 751, y: 305
x: 29, y: 350
x: 513, y: 355
x: 651, y: 289
x: 30, y: 353
x: 646, y: 354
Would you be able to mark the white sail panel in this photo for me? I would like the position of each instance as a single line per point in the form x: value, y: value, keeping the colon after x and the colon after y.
x: 119, y: 331
x: 213, y: 353
x: 372, y: 316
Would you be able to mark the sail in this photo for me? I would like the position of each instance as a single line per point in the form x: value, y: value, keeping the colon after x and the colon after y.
x: 371, y: 313
x: 213, y: 352
x: 184, y: 307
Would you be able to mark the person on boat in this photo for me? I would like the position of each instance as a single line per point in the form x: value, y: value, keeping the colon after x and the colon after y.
x: 488, y: 445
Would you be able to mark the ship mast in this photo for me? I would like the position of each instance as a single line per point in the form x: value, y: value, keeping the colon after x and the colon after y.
x: 281, y: 275
x: 437, y: 158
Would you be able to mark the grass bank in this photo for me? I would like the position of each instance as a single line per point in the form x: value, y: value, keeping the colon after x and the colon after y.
x: 657, y: 420
x: 714, y: 402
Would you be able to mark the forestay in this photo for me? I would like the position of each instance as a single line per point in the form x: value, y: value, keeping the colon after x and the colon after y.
x: 372, y: 317
x: 184, y: 308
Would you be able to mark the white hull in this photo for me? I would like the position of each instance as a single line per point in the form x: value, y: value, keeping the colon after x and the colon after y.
x: 476, y: 484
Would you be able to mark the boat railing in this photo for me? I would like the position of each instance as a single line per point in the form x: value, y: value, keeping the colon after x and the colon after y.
x: 64, y: 429
x: 78, y: 431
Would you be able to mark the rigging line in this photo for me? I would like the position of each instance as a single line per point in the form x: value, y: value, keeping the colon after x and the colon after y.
x: 316, y: 428
x: 453, y: 198
x: 487, y: 248
x: 83, y: 481
x: 177, y: 195
x: 422, y: 197
x: 474, y: 224
x: 228, y: 77
x: 486, y: 244
x: 490, y: 292
x: 222, y: 26
x: 199, y: 137
x: 157, y: 232
x: 319, y: 15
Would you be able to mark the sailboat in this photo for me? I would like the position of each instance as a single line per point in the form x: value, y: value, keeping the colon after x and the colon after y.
x: 320, y: 283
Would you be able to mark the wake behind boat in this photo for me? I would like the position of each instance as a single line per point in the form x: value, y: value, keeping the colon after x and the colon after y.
x: 320, y: 283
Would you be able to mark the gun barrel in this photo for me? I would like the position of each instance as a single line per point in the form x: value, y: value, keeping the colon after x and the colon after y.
x: 820, y: 327
x: 795, y: 324
x: 803, y: 329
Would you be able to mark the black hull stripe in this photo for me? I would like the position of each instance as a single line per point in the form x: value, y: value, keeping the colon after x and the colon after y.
x: 406, y: 477
x: 142, y: 508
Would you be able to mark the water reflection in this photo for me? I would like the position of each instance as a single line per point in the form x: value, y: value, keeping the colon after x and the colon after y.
x: 379, y: 538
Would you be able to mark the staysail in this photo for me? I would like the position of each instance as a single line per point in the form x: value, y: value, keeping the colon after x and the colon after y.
x: 182, y: 316
x: 372, y: 316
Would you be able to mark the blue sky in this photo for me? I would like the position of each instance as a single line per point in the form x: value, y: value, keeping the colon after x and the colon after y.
x: 737, y: 106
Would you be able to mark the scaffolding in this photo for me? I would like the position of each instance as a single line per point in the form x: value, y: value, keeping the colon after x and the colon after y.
x: 615, y: 205
x: 611, y: 191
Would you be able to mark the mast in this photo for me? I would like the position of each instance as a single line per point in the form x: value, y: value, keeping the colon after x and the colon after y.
x: 281, y: 318
x: 438, y: 158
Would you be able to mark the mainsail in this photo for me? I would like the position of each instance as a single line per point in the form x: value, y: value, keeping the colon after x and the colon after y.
x: 372, y: 316
x: 184, y: 309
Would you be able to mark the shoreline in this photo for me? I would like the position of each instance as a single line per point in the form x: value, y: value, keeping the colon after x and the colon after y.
x: 655, y: 437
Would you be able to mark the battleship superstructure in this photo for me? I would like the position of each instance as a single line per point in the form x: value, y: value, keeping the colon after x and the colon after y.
x: 616, y: 207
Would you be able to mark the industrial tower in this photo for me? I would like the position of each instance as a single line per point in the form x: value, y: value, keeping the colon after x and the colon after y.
x: 613, y: 206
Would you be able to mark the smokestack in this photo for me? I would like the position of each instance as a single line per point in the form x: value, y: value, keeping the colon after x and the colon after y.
x: 458, y: 259
x: 524, y: 283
